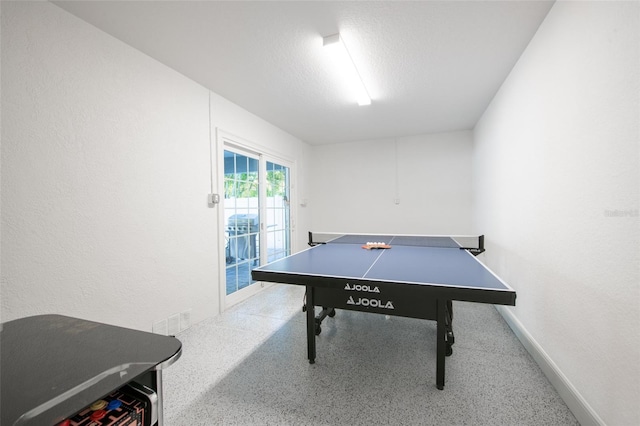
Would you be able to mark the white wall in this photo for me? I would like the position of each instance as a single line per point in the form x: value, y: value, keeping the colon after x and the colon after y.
x: 355, y: 185
x: 557, y: 193
x: 105, y: 175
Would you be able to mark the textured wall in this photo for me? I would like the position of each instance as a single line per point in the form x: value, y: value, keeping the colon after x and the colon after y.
x: 106, y: 167
x: 105, y: 173
x: 556, y: 191
x: 355, y: 185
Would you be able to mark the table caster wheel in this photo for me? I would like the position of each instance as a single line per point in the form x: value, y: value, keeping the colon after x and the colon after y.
x: 332, y: 313
x: 449, y: 350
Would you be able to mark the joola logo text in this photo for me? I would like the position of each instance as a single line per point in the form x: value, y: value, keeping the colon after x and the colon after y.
x: 359, y: 287
x: 374, y: 303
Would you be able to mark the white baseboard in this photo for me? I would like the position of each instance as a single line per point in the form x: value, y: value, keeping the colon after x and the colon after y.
x: 576, y: 403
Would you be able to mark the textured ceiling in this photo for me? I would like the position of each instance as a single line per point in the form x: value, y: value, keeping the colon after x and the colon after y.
x: 429, y: 66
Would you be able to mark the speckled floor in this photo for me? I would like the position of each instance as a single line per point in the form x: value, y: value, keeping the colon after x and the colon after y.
x: 249, y: 366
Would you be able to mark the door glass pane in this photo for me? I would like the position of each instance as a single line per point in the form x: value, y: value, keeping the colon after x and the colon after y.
x: 241, y: 218
x: 277, y: 211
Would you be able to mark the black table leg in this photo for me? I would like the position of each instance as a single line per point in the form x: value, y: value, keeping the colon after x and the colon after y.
x: 441, y: 343
x: 311, y: 325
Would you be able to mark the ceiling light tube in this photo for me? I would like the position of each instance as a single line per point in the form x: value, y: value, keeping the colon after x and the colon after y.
x: 346, y: 67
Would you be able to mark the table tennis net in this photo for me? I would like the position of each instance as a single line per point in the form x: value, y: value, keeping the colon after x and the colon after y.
x: 469, y: 242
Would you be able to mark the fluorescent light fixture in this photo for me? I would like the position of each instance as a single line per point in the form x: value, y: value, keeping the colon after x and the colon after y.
x: 346, y: 67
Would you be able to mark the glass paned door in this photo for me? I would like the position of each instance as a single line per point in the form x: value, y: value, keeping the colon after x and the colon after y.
x: 257, y: 220
x: 241, y: 218
x: 278, y: 232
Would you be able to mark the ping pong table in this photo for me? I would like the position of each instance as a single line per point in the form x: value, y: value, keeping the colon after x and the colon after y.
x: 415, y: 276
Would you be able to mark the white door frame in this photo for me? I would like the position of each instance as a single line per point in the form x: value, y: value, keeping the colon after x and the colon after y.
x: 226, y: 140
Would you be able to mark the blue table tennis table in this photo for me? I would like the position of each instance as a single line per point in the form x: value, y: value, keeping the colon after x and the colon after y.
x: 417, y: 277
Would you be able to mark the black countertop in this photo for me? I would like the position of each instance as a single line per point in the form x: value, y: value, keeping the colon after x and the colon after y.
x: 53, y: 365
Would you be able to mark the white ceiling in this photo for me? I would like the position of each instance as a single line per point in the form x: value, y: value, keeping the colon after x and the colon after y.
x: 430, y: 66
